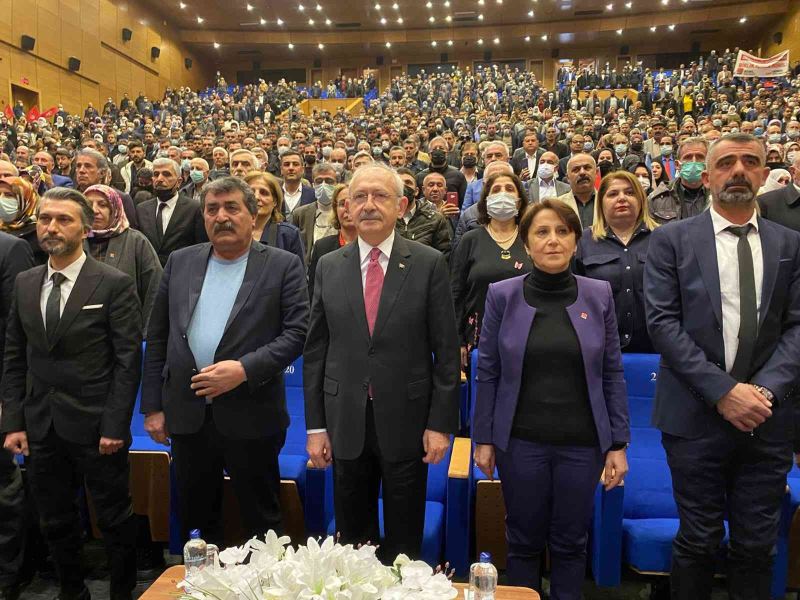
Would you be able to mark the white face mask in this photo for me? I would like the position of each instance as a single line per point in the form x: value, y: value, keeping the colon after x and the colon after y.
x: 324, y: 192
x: 545, y: 170
x: 282, y: 150
x: 501, y: 206
x: 645, y: 181
x: 9, y: 208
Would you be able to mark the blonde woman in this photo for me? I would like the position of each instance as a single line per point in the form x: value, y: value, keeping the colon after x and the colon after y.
x: 271, y: 226
x: 617, y: 250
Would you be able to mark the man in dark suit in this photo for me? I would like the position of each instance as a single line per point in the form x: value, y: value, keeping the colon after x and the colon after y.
x: 15, y: 257
x: 525, y: 160
x: 314, y: 220
x: 72, y: 367
x: 381, y: 392
x: 171, y: 220
x: 783, y: 205
x: 722, y: 294
x: 228, y: 318
x: 295, y: 192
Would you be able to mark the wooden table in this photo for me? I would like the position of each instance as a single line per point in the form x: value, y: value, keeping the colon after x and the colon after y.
x: 164, y: 587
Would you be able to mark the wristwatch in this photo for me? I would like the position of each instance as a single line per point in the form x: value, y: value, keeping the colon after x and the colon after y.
x: 766, y: 392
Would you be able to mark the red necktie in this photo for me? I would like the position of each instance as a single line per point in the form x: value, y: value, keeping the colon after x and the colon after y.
x: 372, y: 288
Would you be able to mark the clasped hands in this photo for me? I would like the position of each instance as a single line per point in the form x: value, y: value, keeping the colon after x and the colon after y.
x: 744, y: 407
x: 320, y: 451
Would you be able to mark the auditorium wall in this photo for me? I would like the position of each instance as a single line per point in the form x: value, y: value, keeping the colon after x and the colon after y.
x: 91, y: 31
x: 789, y: 27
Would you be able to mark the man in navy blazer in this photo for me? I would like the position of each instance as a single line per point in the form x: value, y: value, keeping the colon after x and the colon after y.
x: 722, y: 294
x: 228, y: 318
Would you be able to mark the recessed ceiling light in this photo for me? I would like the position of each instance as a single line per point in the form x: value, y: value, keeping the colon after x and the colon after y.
x: 449, y: 42
x: 279, y: 21
x: 433, y: 43
x: 200, y: 19
x: 383, y: 20
x: 609, y: 7
x: 527, y: 38
x: 447, y: 3
x: 216, y: 45
x: 311, y: 21
x: 377, y: 6
x: 619, y: 31
x: 530, y: 13
x: 429, y: 4
x: 480, y: 17
x: 672, y: 27
x: 743, y: 20
x: 300, y: 7
x: 432, y: 19
x: 291, y: 46
x: 629, y: 5
x: 664, y: 2
x: 321, y: 46
x: 319, y: 8
x: 480, y: 41
x: 263, y: 21
x: 499, y: 1
x: 496, y: 40
x: 653, y: 28
x: 327, y: 21
x: 480, y: 2
x: 182, y: 5
x: 399, y: 20
x: 448, y: 18
x: 388, y: 44
x: 249, y: 7
x: 396, y: 6
x: 544, y: 37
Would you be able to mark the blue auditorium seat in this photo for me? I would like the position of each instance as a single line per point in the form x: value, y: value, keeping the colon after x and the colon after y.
x: 650, y: 517
x: 433, y: 533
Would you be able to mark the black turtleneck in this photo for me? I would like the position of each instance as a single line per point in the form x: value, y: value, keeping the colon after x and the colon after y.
x: 553, y: 405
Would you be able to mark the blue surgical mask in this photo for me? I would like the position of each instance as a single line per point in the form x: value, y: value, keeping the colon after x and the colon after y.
x: 758, y: 131
x: 501, y: 206
x: 197, y: 176
x: 620, y: 148
x: 324, y: 192
x: 691, y: 171
x: 9, y: 208
x: 186, y: 164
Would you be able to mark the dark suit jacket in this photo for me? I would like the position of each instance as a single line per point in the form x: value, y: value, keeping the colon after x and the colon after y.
x: 16, y: 256
x: 322, y: 246
x: 519, y: 160
x: 507, y: 323
x: 265, y: 332
x: 85, y: 382
x: 61, y: 181
x: 411, y: 361
x: 185, y: 227
x: 307, y: 196
x: 304, y: 218
x: 684, y: 318
x: 782, y: 206
x: 287, y: 238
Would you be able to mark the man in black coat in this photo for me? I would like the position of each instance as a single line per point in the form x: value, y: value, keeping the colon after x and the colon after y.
x: 72, y: 368
x: 783, y: 205
x: 381, y: 391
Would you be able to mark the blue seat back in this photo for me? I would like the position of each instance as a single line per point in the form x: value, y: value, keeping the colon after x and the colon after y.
x: 296, y: 434
x: 137, y: 420
x: 293, y: 374
x: 648, y: 486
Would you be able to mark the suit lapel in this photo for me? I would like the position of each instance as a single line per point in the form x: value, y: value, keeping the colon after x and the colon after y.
x: 30, y: 294
x: 147, y: 221
x: 176, y: 221
x: 770, y: 252
x: 354, y: 289
x: 705, y: 251
x: 86, y: 283
x: 256, y: 266
x: 197, y: 275
x: 400, y: 263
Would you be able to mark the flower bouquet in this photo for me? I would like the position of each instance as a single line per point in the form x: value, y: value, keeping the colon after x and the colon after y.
x: 272, y: 569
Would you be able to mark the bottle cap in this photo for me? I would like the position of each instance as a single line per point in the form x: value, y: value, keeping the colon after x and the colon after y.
x: 194, y: 534
x: 486, y: 557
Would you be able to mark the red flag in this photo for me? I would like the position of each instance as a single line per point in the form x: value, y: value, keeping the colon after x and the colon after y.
x: 33, y: 114
x: 50, y: 112
x: 9, y: 112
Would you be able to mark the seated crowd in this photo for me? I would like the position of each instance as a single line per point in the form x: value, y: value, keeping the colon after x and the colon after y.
x: 549, y: 231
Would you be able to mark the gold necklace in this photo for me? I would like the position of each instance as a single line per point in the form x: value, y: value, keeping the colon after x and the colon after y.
x: 505, y: 254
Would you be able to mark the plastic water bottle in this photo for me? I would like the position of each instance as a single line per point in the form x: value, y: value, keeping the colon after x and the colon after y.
x: 483, y: 578
x: 195, y: 553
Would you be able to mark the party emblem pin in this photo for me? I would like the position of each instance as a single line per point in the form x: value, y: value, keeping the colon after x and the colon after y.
x: 401, y: 265
x: 584, y: 316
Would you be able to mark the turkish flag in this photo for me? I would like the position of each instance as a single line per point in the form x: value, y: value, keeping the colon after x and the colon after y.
x: 33, y: 114
x: 9, y: 112
x: 50, y: 112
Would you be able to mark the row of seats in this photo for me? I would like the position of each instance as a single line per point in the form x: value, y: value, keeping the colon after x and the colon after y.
x: 633, y: 524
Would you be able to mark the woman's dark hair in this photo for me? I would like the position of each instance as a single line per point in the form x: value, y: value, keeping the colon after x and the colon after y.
x: 664, y: 178
x: 488, y: 182
x: 564, y: 212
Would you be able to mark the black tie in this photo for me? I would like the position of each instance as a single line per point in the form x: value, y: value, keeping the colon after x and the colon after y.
x: 160, y: 221
x: 748, y: 312
x: 52, y: 311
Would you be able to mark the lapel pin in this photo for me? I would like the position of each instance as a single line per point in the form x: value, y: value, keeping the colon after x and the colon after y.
x: 584, y: 316
x: 401, y: 265
x: 518, y: 265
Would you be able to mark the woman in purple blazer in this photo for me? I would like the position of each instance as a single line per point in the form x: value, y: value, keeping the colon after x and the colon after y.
x: 551, y: 409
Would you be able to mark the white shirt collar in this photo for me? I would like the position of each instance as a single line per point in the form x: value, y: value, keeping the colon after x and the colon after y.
x: 385, y: 247
x: 71, y: 271
x: 721, y: 223
x: 172, y: 201
x: 543, y: 183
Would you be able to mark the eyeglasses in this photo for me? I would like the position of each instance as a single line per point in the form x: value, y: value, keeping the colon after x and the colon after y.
x: 378, y: 197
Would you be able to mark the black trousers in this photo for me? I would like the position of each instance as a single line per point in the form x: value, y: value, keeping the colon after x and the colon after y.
x: 12, y: 519
x: 54, y: 467
x: 356, y: 484
x: 200, y: 461
x: 733, y: 475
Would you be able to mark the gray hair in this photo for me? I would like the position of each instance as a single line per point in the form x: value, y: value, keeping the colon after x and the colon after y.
x: 256, y: 162
x: 229, y: 185
x: 737, y: 138
x: 361, y: 153
x: 322, y: 167
x: 219, y: 148
x: 692, y: 141
x: 167, y: 162
x: 99, y: 160
x: 69, y: 194
x: 496, y: 143
x: 397, y: 182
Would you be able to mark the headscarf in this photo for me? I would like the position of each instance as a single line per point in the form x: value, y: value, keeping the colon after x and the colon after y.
x: 27, y: 200
x: 119, y: 220
x: 772, y: 181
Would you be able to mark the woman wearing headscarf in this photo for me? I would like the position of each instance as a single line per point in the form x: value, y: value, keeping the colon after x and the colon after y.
x: 113, y: 242
x: 18, y: 203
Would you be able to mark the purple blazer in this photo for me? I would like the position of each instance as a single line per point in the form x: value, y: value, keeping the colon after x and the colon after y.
x: 507, y: 322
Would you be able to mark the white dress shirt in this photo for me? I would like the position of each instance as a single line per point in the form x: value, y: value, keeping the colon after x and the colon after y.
x: 532, y: 166
x: 322, y: 223
x: 292, y: 199
x: 547, y: 190
x: 383, y: 260
x: 169, y: 208
x: 728, y: 266
x: 70, y: 273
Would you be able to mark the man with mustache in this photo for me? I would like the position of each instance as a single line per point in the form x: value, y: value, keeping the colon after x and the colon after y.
x: 171, y: 220
x: 72, y: 370
x: 381, y: 391
x: 722, y: 297
x: 229, y: 317
x: 581, y: 173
